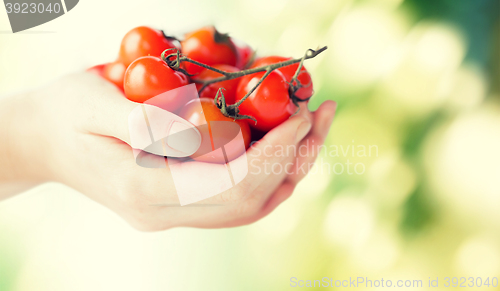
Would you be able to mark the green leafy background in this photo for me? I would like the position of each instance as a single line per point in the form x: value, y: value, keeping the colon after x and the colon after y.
x: 417, y: 80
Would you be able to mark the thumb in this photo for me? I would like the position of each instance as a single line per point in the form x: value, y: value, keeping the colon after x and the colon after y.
x: 143, y: 126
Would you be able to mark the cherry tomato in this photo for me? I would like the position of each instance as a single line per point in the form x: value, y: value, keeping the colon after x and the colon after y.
x: 97, y: 69
x: 115, y: 72
x: 289, y: 71
x: 270, y: 103
x: 147, y: 77
x: 230, y: 86
x: 209, y: 47
x: 219, y: 134
x: 245, y: 55
x: 143, y: 41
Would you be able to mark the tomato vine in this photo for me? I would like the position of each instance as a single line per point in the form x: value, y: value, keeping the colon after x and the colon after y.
x: 173, y: 58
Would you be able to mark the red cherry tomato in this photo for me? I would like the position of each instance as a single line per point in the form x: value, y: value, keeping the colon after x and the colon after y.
x: 115, y: 72
x: 230, y: 86
x: 209, y: 47
x: 143, y: 41
x: 245, y: 55
x: 97, y: 69
x: 147, y: 77
x: 270, y: 103
x: 219, y: 134
x: 289, y: 71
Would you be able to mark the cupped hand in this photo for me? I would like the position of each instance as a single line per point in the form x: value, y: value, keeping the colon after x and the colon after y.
x: 81, y: 138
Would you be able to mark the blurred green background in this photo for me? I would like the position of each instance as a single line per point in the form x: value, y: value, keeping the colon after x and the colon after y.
x: 417, y: 81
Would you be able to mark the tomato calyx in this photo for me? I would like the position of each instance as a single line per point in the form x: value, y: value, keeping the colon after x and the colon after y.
x: 221, y: 37
x: 296, y: 100
x: 224, y: 38
x: 170, y: 37
x: 295, y: 83
x: 230, y: 111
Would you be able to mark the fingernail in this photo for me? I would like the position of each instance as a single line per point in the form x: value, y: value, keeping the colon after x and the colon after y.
x: 302, y: 131
x: 183, y: 138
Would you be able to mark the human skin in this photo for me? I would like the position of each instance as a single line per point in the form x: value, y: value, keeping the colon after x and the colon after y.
x: 75, y: 131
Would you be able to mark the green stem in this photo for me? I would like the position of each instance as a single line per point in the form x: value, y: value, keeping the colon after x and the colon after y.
x: 232, y: 110
x: 233, y: 75
x: 237, y: 104
x: 186, y: 59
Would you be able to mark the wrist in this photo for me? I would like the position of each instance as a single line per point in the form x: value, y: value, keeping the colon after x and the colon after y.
x: 20, y: 152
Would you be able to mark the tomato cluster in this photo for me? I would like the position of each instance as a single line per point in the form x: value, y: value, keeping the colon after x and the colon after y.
x: 141, y: 73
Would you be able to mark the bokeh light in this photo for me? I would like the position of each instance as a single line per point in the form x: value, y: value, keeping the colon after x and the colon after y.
x: 416, y: 83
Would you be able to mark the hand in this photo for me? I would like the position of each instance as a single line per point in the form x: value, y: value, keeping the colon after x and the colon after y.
x: 76, y: 132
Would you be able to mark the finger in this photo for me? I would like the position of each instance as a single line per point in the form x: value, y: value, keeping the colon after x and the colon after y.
x: 143, y: 126
x: 280, y: 196
x: 304, y: 112
x: 273, y: 148
x: 272, y: 165
x: 295, y: 167
x: 309, y: 148
x: 283, y: 192
x: 242, y: 175
x: 106, y: 110
x: 161, y: 132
